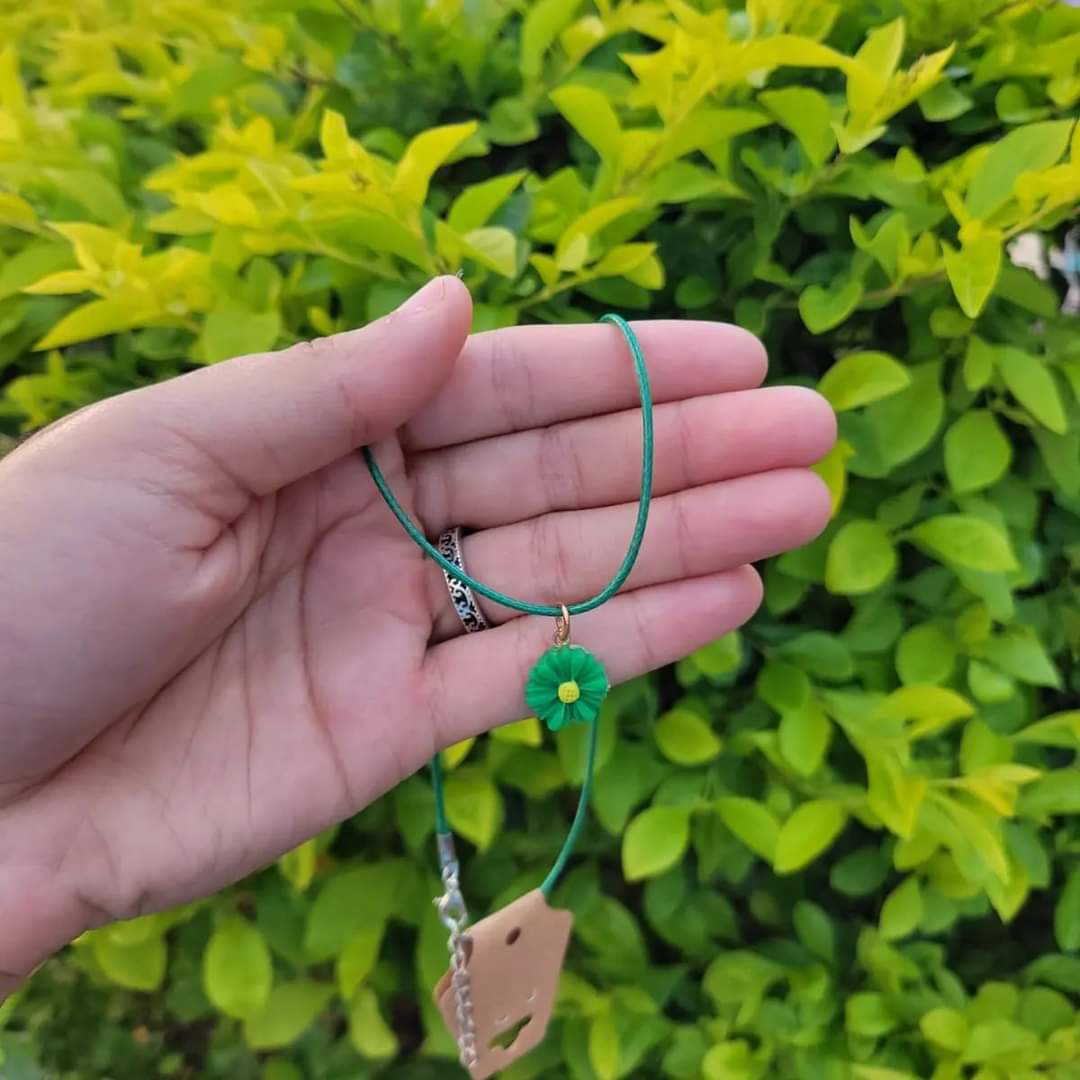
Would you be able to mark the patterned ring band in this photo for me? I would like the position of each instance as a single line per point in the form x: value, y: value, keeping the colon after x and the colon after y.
x: 461, y: 596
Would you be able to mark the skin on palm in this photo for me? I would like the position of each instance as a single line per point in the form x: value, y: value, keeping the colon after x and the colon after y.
x: 222, y: 642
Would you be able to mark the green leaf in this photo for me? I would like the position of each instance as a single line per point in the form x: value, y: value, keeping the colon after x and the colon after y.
x: 823, y: 655
x: 906, y: 423
x: 1067, y: 913
x: 861, y: 378
x: 1031, y: 383
x: 362, y: 896
x: 925, y: 654
x: 655, y: 841
x: 860, y: 873
x: 368, y: 1031
x: 358, y: 958
x: 232, y: 329
x: 37, y: 260
x: 1018, y: 651
x: 591, y: 115
x: 804, y: 737
x: 944, y: 101
x: 861, y: 557
x: 1056, y: 793
x: 685, y: 738
x: 476, y: 203
x: 511, y: 122
x: 807, y: 114
x: 822, y: 309
x: 966, y: 541
x: 290, y: 1009
x: 138, y: 966
x: 815, y: 929
x: 237, y: 970
x: 426, y: 153
x: 977, y: 452
x: 867, y: 1014
x: 751, y: 822
x: 903, y: 910
x: 474, y: 806
x: 973, y: 271
x: 783, y: 686
x: 1030, y: 148
x: 695, y: 292
x: 807, y: 833
x: 544, y: 21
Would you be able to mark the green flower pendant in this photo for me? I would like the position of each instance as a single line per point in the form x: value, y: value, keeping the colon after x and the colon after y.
x: 567, y: 685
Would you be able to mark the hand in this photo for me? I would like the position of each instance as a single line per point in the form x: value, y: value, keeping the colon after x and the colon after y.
x: 217, y: 641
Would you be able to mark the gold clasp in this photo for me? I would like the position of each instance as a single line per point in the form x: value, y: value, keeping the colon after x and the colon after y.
x: 562, y: 627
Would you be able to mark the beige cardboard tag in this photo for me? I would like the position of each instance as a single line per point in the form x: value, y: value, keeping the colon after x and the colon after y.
x: 514, y: 965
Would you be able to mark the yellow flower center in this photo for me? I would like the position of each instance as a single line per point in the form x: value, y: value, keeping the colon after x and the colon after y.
x: 569, y: 692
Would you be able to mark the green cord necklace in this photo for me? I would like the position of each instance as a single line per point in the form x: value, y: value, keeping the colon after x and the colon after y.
x: 504, y: 971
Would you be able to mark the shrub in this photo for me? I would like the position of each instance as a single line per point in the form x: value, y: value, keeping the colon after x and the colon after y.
x: 844, y: 843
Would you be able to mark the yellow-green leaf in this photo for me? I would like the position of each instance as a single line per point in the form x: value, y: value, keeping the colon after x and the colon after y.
x: 237, y: 970
x: 967, y: 541
x: 977, y: 452
x: 903, y: 910
x: 861, y: 557
x: 298, y: 866
x: 475, y: 205
x: 493, y: 247
x: 946, y: 1027
x: 523, y: 732
x: 426, y: 153
x: 358, y: 958
x: 973, y: 270
x: 655, y: 841
x: 592, y: 116
x: 1030, y: 382
x: 544, y: 21
x: 288, y: 1012
x: 139, y: 966
x: 577, y: 234
x: 474, y: 806
x: 1029, y: 148
x: 751, y: 822
x: 368, y: 1031
x: 804, y: 736
x: 807, y: 833
x: 822, y: 309
x: 98, y: 319
x: 807, y: 114
x: 685, y: 738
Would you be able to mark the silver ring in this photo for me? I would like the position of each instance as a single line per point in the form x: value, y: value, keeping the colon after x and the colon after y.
x: 461, y: 596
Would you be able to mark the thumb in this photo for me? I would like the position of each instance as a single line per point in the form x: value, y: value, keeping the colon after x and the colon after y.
x: 271, y: 418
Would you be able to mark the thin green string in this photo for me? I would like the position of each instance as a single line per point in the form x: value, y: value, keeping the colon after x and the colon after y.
x: 644, y: 500
x: 442, y: 826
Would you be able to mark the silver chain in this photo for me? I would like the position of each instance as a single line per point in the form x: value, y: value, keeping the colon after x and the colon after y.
x: 455, y: 917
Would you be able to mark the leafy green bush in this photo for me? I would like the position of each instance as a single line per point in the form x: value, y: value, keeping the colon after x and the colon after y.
x: 844, y: 843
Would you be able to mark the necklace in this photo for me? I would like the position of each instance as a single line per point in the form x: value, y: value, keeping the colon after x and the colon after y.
x: 498, y: 993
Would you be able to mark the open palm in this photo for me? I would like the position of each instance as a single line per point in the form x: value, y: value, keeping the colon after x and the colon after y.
x: 217, y: 640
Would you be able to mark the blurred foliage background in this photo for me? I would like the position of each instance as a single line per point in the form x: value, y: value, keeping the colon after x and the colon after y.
x: 843, y: 844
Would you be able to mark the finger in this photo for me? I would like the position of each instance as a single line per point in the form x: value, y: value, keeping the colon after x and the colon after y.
x: 476, y: 682
x: 597, y: 462
x: 271, y: 418
x: 566, y: 557
x: 530, y: 376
